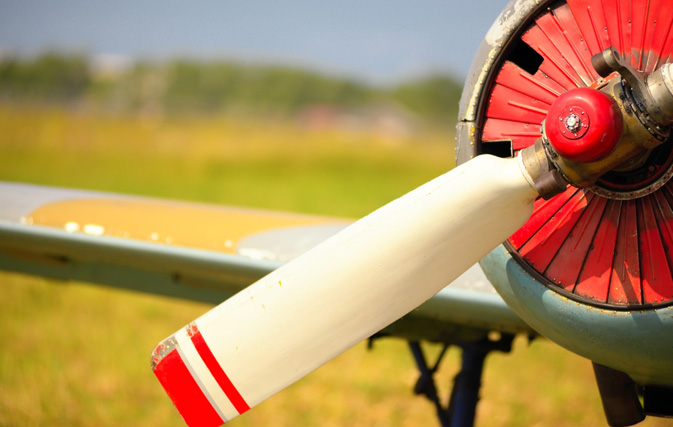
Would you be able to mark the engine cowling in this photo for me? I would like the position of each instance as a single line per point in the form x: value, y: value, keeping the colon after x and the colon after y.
x: 592, y: 269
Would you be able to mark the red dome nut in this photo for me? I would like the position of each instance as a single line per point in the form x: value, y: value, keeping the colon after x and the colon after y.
x: 583, y: 125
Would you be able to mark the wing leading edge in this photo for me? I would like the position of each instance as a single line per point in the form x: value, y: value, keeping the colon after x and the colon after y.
x: 201, y: 252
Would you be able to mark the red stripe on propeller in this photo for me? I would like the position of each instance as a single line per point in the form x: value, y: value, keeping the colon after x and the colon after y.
x: 185, y: 392
x: 218, y: 373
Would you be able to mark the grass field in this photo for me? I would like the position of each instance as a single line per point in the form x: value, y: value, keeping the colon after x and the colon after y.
x: 78, y: 355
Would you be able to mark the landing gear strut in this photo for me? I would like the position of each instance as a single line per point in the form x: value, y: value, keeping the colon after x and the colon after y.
x: 462, y: 405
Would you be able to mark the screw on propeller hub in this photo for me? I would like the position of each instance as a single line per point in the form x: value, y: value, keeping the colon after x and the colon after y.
x: 583, y: 125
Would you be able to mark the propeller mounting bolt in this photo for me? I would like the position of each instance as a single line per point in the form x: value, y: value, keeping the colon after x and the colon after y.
x: 573, y: 122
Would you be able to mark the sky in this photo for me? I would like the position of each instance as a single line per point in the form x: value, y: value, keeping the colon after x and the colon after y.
x: 379, y: 41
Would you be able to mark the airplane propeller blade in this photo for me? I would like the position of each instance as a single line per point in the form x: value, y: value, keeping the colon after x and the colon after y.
x: 317, y: 306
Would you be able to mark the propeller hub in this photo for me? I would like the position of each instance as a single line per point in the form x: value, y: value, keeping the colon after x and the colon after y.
x: 583, y: 125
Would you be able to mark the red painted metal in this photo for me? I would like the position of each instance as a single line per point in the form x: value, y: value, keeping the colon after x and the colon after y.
x: 185, y: 392
x: 639, y: 21
x: 521, y: 134
x: 625, y: 281
x: 509, y: 104
x: 542, y: 247
x: 537, y: 86
x: 625, y: 27
x: 598, y: 121
x: 662, y: 39
x: 593, y: 282
x: 555, y: 66
x: 654, y: 269
x: 565, y: 269
x: 649, y: 50
x: 567, y: 34
x: 665, y: 34
x: 612, y: 11
x: 589, y: 16
x: 608, y: 251
x: 543, y: 210
x: 664, y: 213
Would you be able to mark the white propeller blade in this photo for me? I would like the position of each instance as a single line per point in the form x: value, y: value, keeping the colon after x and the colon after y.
x: 317, y: 306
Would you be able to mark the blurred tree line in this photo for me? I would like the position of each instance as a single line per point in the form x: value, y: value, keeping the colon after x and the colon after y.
x: 183, y: 86
x: 50, y: 77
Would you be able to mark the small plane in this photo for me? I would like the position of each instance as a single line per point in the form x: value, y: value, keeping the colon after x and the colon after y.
x: 561, y: 203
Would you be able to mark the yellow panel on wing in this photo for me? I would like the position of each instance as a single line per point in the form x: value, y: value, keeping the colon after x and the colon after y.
x: 185, y: 224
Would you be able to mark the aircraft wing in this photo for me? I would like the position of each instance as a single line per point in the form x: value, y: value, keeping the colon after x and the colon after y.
x: 202, y: 252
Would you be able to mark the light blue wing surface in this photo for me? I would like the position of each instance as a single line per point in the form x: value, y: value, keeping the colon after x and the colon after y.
x: 94, y: 237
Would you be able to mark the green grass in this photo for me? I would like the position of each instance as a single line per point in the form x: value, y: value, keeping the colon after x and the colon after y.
x: 78, y: 355
x: 222, y: 160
